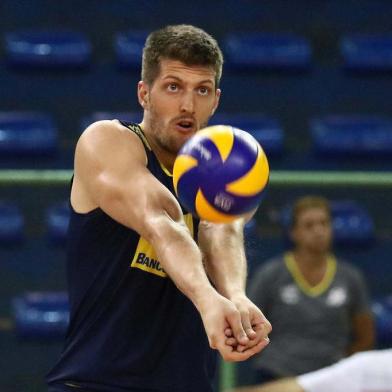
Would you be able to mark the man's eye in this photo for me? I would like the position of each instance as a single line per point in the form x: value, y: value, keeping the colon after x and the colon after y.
x: 172, y: 87
x: 203, y: 91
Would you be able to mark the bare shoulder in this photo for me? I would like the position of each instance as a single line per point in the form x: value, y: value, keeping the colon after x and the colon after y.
x: 106, y: 156
x: 110, y: 170
x: 109, y: 139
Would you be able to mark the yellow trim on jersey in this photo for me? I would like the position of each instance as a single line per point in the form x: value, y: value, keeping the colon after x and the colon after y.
x: 302, y: 283
x: 136, y: 128
x: 145, y: 257
x: 167, y: 172
x: 188, y: 219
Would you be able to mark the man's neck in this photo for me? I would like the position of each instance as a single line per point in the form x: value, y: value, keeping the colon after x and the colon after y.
x: 164, y: 157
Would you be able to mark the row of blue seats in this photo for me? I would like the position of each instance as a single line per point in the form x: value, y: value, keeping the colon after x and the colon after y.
x: 352, y: 223
x: 36, y: 133
x: 12, y: 223
x: 45, y: 315
x: 242, y: 50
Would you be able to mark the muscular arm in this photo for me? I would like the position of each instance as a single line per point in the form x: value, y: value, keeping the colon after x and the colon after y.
x: 111, y: 173
x: 225, y: 261
x: 224, y: 254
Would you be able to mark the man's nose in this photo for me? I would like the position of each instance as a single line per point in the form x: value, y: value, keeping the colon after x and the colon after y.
x: 187, y: 102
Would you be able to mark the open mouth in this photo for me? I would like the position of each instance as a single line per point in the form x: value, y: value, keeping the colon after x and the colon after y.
x: 185, y: 125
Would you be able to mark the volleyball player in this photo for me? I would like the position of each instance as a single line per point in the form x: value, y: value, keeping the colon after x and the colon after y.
x: 148, y: 300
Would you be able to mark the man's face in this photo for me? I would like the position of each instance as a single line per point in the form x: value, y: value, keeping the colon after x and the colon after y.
x: 179, y: 103
x: 313, y: 230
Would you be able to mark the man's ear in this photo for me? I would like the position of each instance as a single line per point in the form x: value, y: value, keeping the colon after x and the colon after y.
x: 143, y: 94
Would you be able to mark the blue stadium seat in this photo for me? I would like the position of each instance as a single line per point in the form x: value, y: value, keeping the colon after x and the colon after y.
x: 27, y: 133
x: 266, y: 130
x: 351, y: 222
x: 57, y: 221
x: 129, y: 48
x: 367, y: 52
x: 352, y: 135
x: 43, y: 315
x: 266, y: 50
x: 48, y: 49
x: 382, y: 310
x: 98, y: 116
x: 11, y: 223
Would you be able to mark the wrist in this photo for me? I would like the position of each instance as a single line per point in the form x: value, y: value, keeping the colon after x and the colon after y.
x: 238, y: 297
x: 203, y: 297
x: 234, y: 293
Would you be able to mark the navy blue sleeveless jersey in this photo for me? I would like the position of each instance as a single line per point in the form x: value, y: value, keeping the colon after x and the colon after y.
x: 130, y: 328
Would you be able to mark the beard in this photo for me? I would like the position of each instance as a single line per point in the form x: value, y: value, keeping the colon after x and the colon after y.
x: 163, y: 138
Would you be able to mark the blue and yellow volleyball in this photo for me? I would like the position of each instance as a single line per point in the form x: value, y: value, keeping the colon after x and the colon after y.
x: 220, y: 174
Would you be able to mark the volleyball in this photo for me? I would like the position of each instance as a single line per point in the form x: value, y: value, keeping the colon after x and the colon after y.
x: 220, y: 174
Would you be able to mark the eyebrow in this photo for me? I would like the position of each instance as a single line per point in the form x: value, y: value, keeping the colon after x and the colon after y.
x: 210, y: 81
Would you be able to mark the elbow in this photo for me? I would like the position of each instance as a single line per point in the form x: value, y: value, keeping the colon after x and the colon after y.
x: 161, y: 228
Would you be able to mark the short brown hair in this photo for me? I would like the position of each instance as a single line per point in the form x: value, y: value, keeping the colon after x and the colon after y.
x: 305, y: 203
x: 185, y: 43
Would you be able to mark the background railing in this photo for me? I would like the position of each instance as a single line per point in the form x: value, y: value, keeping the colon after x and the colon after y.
x: 277, y: 178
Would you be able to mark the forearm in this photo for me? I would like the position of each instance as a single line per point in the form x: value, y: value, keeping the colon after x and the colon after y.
x: 224, y: 257
x: 181, y: 259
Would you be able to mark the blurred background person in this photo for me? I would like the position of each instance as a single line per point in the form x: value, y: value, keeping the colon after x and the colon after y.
x: 318, y: 306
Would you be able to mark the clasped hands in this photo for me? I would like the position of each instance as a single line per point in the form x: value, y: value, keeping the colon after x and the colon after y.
x: 236, y: 328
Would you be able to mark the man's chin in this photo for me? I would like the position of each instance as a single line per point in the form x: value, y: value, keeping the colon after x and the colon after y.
x: 184, y: 138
